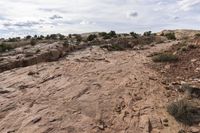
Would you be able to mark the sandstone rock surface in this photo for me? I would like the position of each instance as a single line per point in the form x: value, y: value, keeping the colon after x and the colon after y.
x: 89, y: 91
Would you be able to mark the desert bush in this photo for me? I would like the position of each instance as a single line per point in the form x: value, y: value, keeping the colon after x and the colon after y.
x: 147, y: 33
x: 35, y: 37
x: 133, y: 34
x: 41, y: 37
x: 66, y: 44
x: 13, y: 39
x: 184, y: 112
x: 125, y: 34
x: 113, y: 47
x: 192, y: 46
x: 164, y: 57
x: 197, y: 35
x: 170, y: 36
x: 70, y: 36
x: 47, y: 37
x: 91, y: 37
x: 4, y: 47
x: 54, y: 36
x: 107, y: 37
x: 78, y: 38
x: 118, y: 45
x: 61, y: 37
x: 28, y: 37
x: 112, y: 33
x: 33, y: 42
x: 102, y: 34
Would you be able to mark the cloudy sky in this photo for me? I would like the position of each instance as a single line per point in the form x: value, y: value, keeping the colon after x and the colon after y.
x: 22, y: 17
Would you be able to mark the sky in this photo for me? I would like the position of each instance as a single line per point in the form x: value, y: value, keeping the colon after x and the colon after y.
x: 23, y: 17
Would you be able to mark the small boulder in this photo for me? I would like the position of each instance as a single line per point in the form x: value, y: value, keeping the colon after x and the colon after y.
x: 36, y: 120
x: 194, y: 129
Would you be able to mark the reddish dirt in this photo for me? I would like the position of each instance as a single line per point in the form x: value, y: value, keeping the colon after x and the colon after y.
x: 186, y: 68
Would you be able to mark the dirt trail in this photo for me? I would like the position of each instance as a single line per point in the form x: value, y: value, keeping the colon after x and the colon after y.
x: 87, y: 92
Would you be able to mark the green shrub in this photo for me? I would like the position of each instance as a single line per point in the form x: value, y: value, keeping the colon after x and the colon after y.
x: 170, y: 36
x: 28, y: 37
x: 91, y: 37
x: 47, y: 37
x: 4, y: 47
x: 107, y: 37
x: 35, y: 36
x: 70, y: 36
x: 164, y: 57
x: 66, y: 44
x: 125, y: 34
x: 133, y: 34
x: 113, y: 47
x: 33, y: 42
x: 41, y: 37
x: 54, y: 36
x: 78, y: 38
x: 197, y: 35
x: 61, y: 37
x: 184, y: 112
x: 102, y: 34
x: 13, y: 39
x: 116, y: 47
x: 147, y: 33
x: 112, y: 34
x: 192, y: 46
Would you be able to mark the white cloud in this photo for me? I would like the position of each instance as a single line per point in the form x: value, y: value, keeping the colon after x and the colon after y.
x: 86, y: 22
x: 132, y: 14
x: 187, y: 5
x: 176, y: 17
x: 55, y: 17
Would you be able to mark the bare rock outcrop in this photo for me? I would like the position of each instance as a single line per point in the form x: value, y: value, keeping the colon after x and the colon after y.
x: 30, y: 55
x: 89, y: 91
